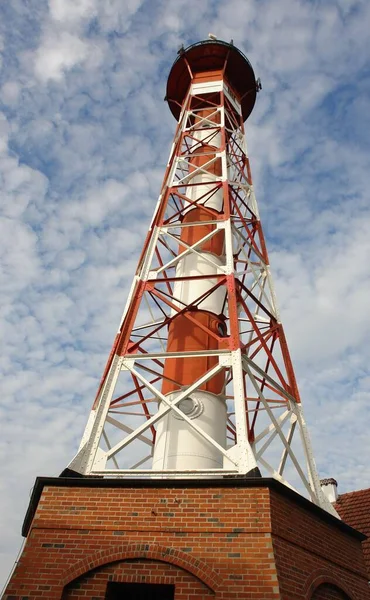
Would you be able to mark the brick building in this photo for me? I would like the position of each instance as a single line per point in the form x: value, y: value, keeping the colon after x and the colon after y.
x: 189, y: 540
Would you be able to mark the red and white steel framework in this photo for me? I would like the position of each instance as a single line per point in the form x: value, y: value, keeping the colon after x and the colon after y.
x: 199, y: 382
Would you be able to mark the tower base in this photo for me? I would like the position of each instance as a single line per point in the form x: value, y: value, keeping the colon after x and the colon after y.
x: 185, y: 540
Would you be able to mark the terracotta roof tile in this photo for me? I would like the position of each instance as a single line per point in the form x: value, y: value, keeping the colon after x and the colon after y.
x: 354, y: 509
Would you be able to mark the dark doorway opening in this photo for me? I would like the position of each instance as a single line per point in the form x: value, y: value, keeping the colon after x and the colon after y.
x: 139, y: 591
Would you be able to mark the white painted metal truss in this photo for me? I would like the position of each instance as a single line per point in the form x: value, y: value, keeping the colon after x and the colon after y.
x: 264, y: 421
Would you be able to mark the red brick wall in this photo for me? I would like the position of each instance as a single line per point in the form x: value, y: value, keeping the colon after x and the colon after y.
x: 237, y: 542
x: 219, y: 535
x: 303, y: 544
x: 94, y: 583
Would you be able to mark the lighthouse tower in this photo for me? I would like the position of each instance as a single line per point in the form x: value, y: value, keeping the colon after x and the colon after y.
x: 195, y: 476
x: 199, y: 382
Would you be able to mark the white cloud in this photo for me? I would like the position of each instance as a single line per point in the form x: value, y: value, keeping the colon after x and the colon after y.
x: 10, y: 92
x: 71, y: 11
x: 59, y: 53
x: 18, y: 255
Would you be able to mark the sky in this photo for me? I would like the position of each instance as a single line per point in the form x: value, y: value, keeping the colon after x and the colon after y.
x: 84, y: 140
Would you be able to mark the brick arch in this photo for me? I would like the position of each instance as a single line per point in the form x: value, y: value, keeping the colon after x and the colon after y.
x: 321, y: 576
x: 185, y: 561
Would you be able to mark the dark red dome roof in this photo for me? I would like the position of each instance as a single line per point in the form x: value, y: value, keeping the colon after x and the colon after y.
x: 210, y: 55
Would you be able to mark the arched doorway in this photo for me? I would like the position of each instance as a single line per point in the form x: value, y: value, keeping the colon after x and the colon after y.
x: 328, y: 591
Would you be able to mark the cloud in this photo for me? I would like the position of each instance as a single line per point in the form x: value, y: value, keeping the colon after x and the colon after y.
x: 84, y: 139
x: 55, y: 56
x: 72, y: 11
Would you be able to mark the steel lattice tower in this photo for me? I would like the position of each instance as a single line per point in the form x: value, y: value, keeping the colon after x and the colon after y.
x: 199, y: 382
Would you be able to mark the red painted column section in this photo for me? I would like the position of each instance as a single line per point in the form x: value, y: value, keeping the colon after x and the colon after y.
x: 185, y: 334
